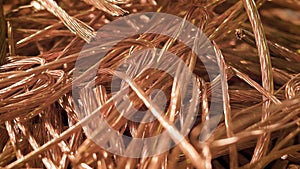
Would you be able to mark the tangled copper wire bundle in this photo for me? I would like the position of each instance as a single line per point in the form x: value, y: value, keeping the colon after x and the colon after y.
x: 257, y: 44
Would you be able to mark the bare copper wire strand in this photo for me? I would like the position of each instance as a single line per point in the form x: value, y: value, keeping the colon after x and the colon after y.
x: 108, y: 7
x: 35, y: 84
x: 226, y: 106
x: 76, y: 26
x: 266, y: 71
x: 2, y: 35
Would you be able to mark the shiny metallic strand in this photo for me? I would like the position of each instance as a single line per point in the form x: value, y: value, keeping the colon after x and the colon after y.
x: 2, y: 35
x: 38, y: 122
x: 107, y: 6
x: 75, y: 26
x: 226, y: 106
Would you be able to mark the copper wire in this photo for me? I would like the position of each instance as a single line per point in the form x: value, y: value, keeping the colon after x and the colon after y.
x: 39, y: 125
